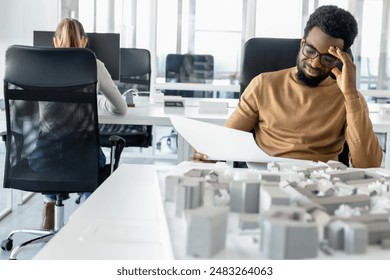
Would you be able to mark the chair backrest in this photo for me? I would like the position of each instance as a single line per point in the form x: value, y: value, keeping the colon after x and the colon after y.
x: 265, y: 55
x: 135, y: 68
x: 135, y: 73
x: 52, y: 142
x: 189, y: 68
x: 173, y: 64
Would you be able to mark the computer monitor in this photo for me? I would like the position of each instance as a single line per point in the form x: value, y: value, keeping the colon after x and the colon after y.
x: 106, y: 47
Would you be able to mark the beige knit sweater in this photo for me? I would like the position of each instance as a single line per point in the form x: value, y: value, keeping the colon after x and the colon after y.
x: 296, y: 121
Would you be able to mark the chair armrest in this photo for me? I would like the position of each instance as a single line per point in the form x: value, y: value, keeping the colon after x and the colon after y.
x: 15, y: 138
x: 117, y: 146
x: 3, y: 135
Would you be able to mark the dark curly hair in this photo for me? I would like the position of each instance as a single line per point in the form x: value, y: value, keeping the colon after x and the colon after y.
x: 335, y: 22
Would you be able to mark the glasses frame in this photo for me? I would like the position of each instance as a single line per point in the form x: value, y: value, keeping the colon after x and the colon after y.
x: 321, y: 55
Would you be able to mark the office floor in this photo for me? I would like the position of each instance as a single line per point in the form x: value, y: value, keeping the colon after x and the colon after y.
x: 29, y: 214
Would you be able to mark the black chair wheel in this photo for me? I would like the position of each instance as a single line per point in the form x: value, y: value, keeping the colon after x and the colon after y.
x: 7, y: 244
x: 78, y: 199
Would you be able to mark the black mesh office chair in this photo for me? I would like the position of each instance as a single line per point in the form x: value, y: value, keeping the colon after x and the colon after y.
x: 272, y: 54
x: 135, y: 70
x: 52, y: 137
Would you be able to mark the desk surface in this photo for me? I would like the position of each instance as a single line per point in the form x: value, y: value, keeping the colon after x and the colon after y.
x: 376, y: 93
x: 212, y: 85
x: 122, y: 219
x: 147, y: 113
x: 126, y: 219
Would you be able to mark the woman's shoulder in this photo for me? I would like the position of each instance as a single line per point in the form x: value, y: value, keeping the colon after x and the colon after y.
x: 99, y: 63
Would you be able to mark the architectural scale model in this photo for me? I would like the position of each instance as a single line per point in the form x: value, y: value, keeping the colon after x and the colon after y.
x: 297, y: 208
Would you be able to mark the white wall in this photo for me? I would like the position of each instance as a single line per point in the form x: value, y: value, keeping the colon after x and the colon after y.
x: 18, y: 20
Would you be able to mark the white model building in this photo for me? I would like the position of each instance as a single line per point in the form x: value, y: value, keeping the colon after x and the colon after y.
x: 206, y: 230
x: 285, y: 234
x: 189, y: 195
x: 244, y: 196
x: 355, y: 238
x: 271, y: 196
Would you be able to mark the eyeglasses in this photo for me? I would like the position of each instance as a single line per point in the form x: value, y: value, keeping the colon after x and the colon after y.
x: 326, y: 59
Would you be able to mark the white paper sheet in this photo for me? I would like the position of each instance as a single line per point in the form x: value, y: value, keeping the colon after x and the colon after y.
x: 220, y: 143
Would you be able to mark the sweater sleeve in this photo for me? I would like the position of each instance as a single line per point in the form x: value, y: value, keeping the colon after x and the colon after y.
x: 246, y: 114
x: 112, y: 101
x: 365, y: 150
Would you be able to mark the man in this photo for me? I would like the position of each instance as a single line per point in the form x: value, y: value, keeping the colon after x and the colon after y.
x: 304, y: 113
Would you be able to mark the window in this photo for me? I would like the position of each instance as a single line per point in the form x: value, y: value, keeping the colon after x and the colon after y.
x: 169, y: 28
x: 272, y: 21
x: 370, y: 47
x: 199, y: 27
x: 220, y: 28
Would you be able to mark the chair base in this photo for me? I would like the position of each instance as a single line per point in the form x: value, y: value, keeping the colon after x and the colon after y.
x: 7, y: 244
x: 44, y: 234
x: 172, y: 136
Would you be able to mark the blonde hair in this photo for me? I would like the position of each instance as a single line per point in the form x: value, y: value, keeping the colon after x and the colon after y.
x: 70, y: 33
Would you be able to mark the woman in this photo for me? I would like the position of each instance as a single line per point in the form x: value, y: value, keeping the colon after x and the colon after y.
x: 70, y: 34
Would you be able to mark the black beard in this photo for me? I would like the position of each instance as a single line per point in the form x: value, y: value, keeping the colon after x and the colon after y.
x: 307, y: 80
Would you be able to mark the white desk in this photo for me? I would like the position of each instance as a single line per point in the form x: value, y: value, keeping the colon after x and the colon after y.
x: 122, y: 219
x: 376, y: 93
x: 125, y: 219
x: 213, y: 85
x: 146, y: 113
x: 381, y: 126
